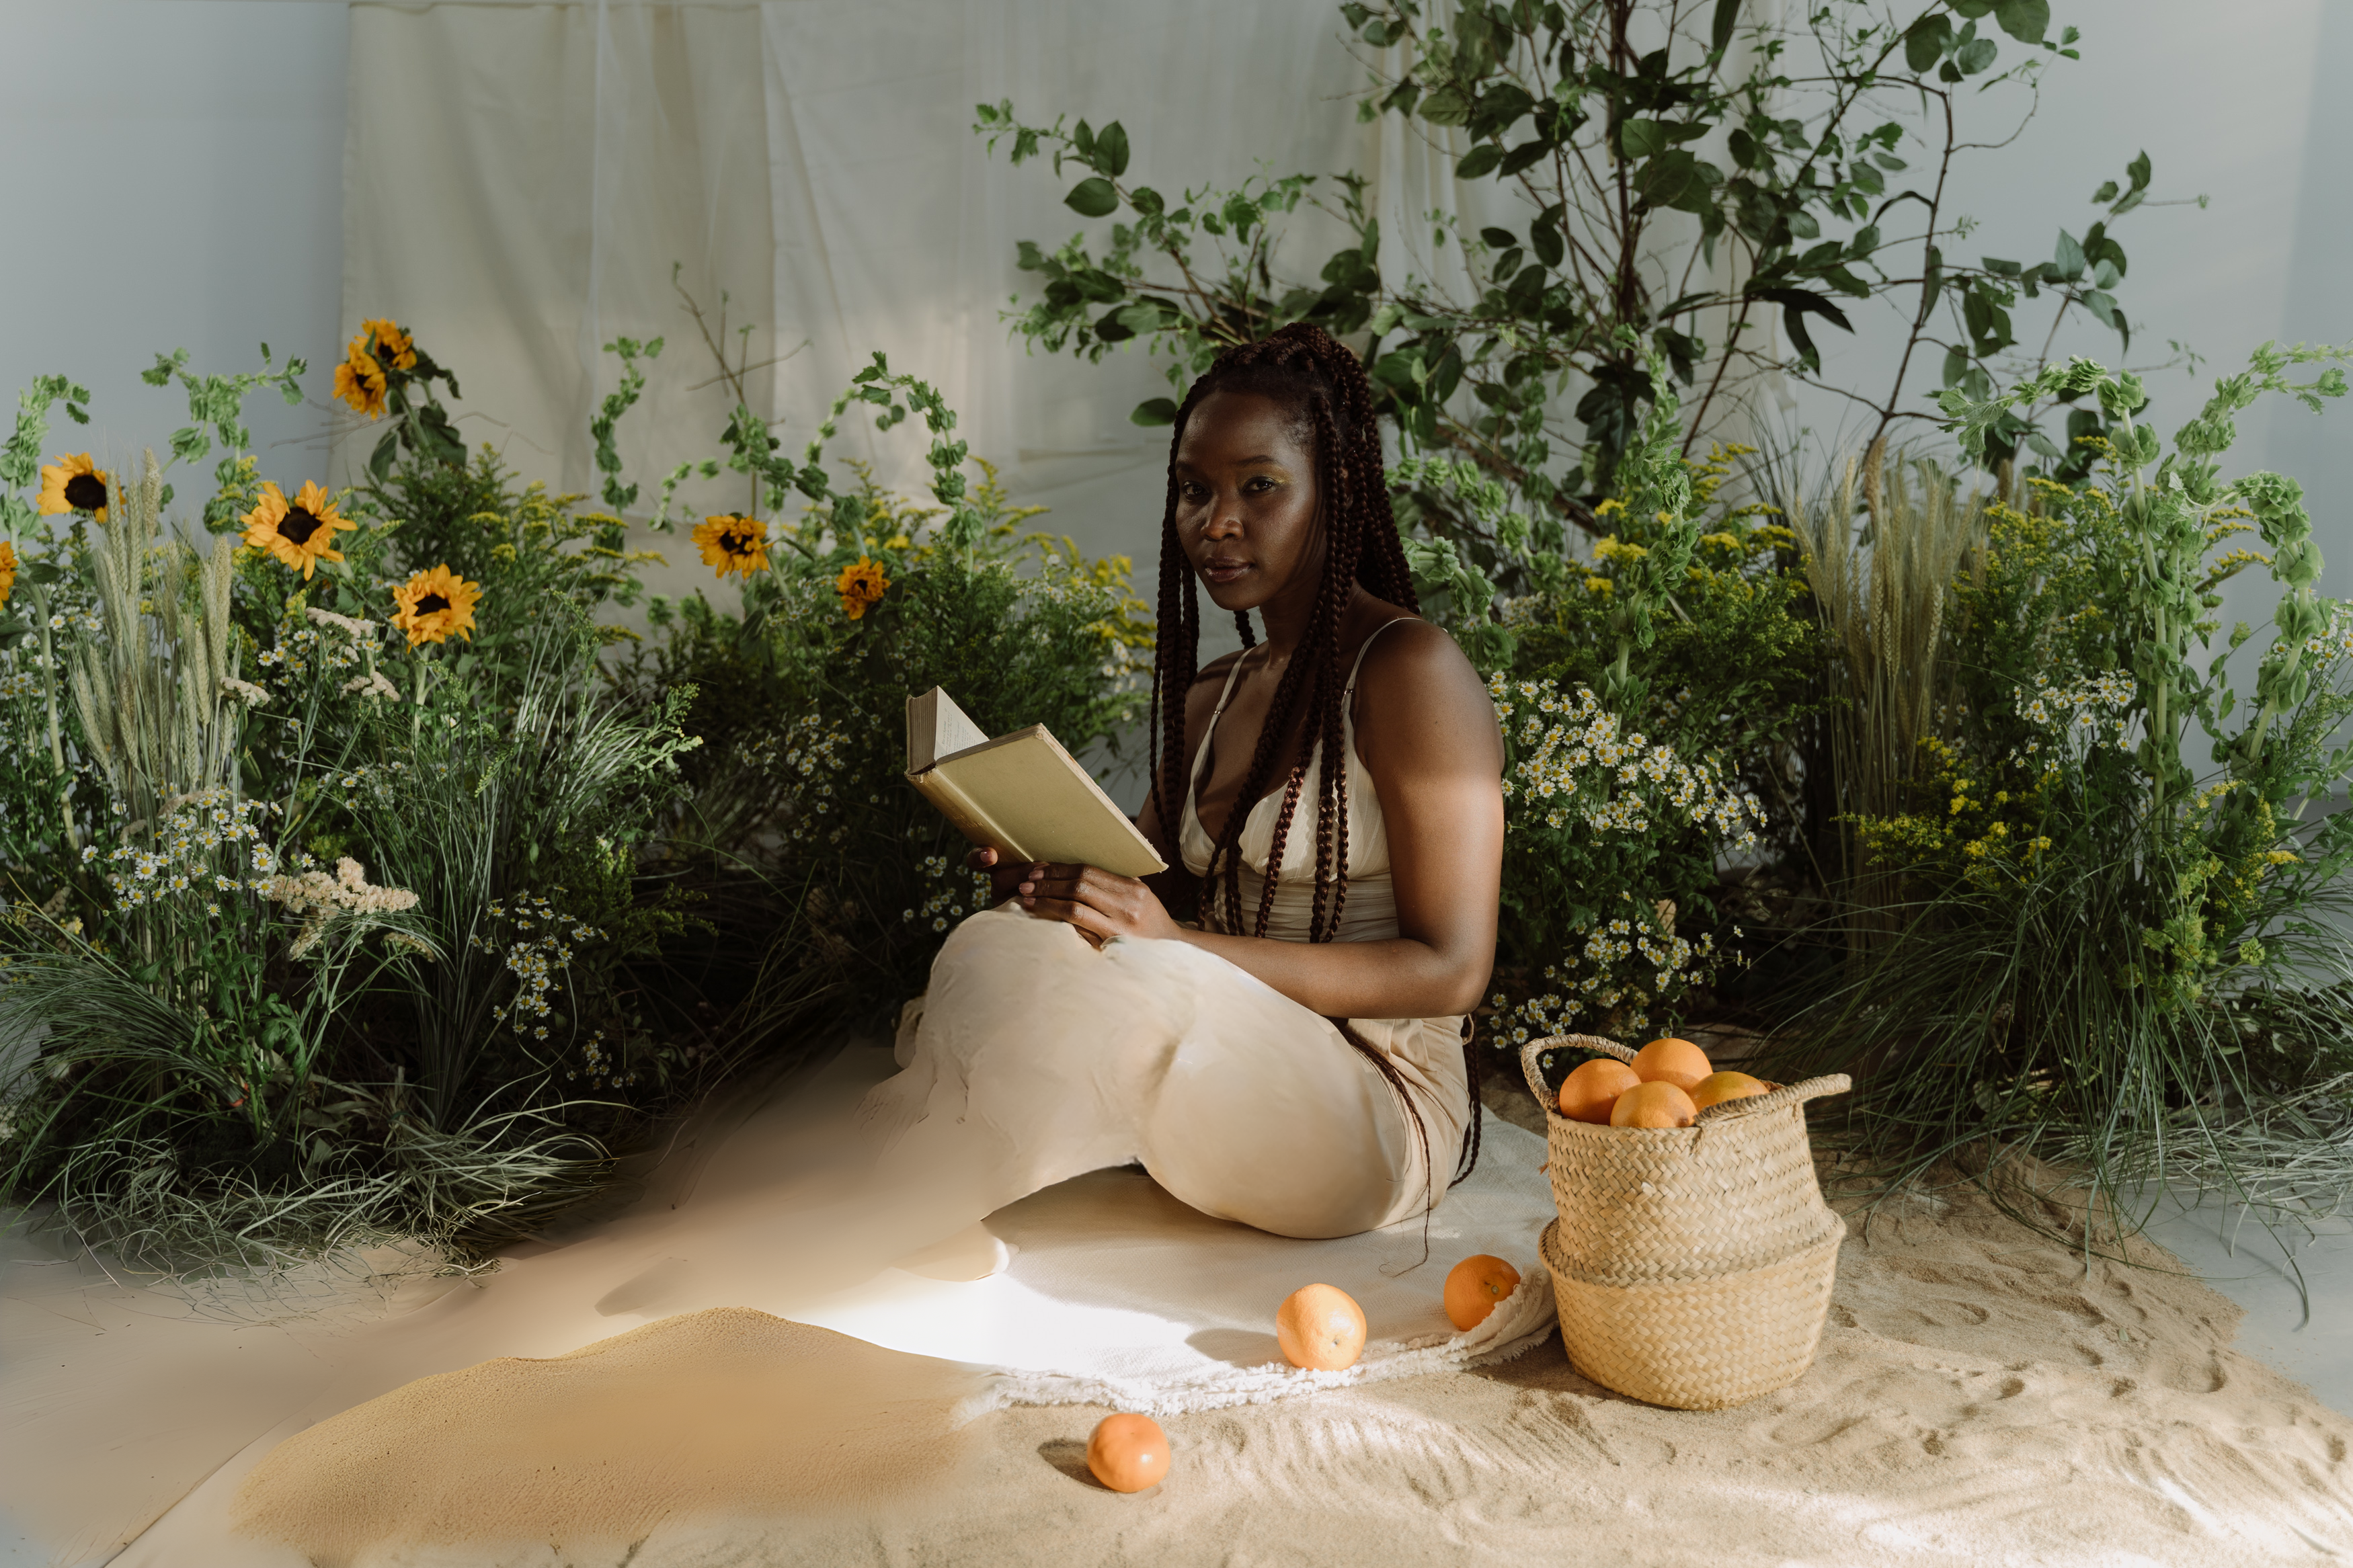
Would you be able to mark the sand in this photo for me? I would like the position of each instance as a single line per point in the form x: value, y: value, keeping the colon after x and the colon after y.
x: 1980, y: 1397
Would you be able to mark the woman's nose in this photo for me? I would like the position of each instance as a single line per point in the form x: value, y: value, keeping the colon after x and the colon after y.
x: 1225, y: 518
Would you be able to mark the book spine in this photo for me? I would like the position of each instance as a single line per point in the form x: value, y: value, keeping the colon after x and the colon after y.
x: 967, y: 817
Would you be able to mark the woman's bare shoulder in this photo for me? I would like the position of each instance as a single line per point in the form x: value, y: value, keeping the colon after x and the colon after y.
x: 1416, y: 684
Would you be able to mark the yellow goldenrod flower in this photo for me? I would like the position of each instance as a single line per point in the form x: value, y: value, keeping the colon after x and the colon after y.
x: 433, y: 604
x: 861, y: 584
x: 359, y: 381
x: 392, y: 346
x: 300, y: 532
x: 73, y: 484
x: 1597, y: 585
x: 730, y: 543
x: 7, y: 570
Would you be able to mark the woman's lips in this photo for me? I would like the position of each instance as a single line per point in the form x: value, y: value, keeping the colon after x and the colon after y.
x: 1222, y: 571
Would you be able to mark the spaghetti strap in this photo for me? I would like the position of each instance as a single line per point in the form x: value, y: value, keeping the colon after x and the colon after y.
x: 1367, y: 646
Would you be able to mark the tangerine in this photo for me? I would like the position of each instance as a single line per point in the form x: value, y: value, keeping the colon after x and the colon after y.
x: 1678, y: 1062
x: 1474, y: 1286
x: 1655, y: 1104
x: 1320, y: 1327
x: 1128, y: 1453
x: 1718, y: 1086
x: 1587, y: 1093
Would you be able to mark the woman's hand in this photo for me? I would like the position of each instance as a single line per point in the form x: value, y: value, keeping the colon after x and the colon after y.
x: 1099, y: 904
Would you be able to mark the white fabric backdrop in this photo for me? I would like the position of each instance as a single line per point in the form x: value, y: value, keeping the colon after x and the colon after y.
x: 520, y: 178
x: 813, y: 158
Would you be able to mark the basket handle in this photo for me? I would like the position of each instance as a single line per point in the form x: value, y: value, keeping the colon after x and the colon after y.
x: 1788, y: 1094
x: 1534, y: 1070
x: 1775, y: 1100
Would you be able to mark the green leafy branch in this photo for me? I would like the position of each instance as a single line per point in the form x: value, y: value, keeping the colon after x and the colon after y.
x: 216, y: 415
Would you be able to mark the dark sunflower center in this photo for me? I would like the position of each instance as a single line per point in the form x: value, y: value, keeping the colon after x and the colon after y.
x: 431, y: 604
x: 735, y: 543
x: 86, y: 492
x: 297, y: 526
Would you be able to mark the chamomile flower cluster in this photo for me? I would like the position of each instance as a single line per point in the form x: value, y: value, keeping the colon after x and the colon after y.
x: 604, y: 1069
x: 2334, y: 641
x: 208, y: 844
x: 540, y: 950
x: 2090, y: 712
x: 321, y: 642
x: 1602, y: 983
x: 958, y: 892
x: 1572, y: 765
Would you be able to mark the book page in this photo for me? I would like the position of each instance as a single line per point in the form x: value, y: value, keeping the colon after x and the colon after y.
x: 1040, y: 799
x: 937, y: 728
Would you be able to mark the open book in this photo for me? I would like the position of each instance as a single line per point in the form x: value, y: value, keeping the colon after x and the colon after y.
x: 1021, y: 794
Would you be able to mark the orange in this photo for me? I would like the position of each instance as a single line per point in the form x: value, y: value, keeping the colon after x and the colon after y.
x: 1658, y: 1104
x: 1587, y: 1094
x: 1678, y: 1062
x: 1475, y: 1287
x: 1128, y: 1453
x: 1320, y: 1326
x: 1719, y: 1087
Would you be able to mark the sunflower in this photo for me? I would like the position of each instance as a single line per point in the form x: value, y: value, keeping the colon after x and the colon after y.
x: 392, y: 346
x: 729, y: 543
x: 359, y: 381
x: 300, y: 532
x: 74, y: 484
x: 861, y: 584
x: 435, y: 603
x: 7, y: 570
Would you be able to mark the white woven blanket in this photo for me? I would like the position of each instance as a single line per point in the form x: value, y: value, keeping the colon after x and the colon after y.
x: 1117, y: 1294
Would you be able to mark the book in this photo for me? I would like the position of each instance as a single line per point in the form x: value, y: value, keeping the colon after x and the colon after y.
x: 1021, y: 794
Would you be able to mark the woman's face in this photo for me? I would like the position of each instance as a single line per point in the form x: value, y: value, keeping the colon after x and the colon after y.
x: 1247, y: 509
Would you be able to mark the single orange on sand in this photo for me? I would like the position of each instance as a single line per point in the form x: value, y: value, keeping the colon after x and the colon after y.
x: 1678, y: 1062
x: 1588, y: 1092
x: 1655, y: 1104
x: 1718, y: 1086
x: 1320, y: 1327
x: 1128, y: 1453
x: 1473, y: 1288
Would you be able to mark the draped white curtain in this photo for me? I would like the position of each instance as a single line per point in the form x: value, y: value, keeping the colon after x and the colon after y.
x: 521, y: 178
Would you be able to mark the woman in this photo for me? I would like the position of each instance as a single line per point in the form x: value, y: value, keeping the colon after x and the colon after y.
x: 1296, y: 1060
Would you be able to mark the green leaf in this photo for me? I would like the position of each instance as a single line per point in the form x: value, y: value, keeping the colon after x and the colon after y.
x: 1719, y: 32
x: 1521, y: 157
x: 1093, y: 198
x: 2025, y: 20
x: 1802, y: 225
x: 1926, y: 41
x: 1545, y: 241
x: 1481, y: 159
x: 1642, y: 137
x: 2069, y: 256
x: 1500, y: 238
x: 1154, y: 411
x: 1447, y: 106
x: 1111, y: 149
x: 1976, y: 57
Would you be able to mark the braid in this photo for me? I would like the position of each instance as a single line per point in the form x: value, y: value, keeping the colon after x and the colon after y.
x: 1303, y: 367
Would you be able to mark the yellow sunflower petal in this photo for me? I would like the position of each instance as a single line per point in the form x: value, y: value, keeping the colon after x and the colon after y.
x: 433, y: 604
x: 73, y: 484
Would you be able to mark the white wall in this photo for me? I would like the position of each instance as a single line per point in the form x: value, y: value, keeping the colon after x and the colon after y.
x: 172, y: 169
x: 171, y: 173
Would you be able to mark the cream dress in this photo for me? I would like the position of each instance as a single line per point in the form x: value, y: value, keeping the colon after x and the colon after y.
x: 1035, y: 1057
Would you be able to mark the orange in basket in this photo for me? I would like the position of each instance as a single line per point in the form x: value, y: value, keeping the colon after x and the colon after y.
x: 1658, y: 1104
x: 1587, y: 1093
x: 1678, y: 1062
x: 1718, y: 1086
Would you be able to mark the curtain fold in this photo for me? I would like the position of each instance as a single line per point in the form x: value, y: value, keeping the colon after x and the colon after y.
x: 521, y: 180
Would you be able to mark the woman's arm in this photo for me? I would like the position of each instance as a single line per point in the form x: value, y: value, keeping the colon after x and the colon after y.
x: 1427, y: 733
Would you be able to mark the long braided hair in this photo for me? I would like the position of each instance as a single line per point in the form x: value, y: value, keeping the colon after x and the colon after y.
x: 1303, y: 369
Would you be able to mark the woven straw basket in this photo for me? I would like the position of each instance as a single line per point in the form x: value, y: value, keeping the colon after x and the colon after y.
x: 1693, y: 1264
